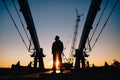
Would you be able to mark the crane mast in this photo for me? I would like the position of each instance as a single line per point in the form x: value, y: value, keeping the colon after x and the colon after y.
x: 80, y: 53
x: 38, y: 52
x: 75, y: 34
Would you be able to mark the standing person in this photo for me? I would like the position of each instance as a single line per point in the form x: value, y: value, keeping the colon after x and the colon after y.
x: 57, y: 48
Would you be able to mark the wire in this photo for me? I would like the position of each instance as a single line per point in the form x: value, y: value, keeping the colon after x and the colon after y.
x: 29, y: 49
x: 88, y: 49
x: 99, y: 20
x: 89, y: 40
x: 105, y: 23
x: 15, y: 24
x: 20, y: 20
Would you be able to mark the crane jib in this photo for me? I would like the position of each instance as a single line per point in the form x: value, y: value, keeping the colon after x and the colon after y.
x: 38, y: 54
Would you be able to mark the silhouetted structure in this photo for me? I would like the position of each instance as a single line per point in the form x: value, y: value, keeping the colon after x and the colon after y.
x: 106, y: 64
x: 87, y: 66
x: 93, y: 65
x: 16, y: 67
x: 80, y: 57
x: 38, y: 52
x: 30, y: 64
x: 18, y: 63
x: 116, y: 63
x: 57, y: 48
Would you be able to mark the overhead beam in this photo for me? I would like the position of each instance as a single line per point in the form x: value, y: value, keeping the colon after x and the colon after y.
x: 25, y: 9
x: 94, y: 8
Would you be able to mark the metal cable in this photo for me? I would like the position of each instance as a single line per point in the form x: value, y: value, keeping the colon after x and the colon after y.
x: 105, y: 23
x: 99, y: 20
x: 15, y: 24
x: 20, y: 20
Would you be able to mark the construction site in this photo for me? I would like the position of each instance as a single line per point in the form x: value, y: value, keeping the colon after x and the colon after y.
x: 75, y: 65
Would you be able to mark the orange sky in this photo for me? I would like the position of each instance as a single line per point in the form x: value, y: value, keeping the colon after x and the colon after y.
x: 57, y: 17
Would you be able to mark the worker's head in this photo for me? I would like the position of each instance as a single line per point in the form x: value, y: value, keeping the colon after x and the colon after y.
x: 57, y: 38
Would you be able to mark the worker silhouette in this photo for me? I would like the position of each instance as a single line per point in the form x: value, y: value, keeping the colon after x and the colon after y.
x: 57, y: 48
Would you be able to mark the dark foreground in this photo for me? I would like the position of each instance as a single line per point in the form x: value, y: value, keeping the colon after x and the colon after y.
x: 97, y: 73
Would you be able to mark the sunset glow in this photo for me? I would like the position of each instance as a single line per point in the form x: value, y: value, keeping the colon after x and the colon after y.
x: 58, y: 17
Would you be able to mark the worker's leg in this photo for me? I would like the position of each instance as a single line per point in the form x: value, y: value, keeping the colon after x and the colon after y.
x: 60, y: 60
x: 54, y: 63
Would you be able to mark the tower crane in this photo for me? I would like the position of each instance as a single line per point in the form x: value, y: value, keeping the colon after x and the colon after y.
x: 80, y: 53
x: 38, y: 51
x: 70, y: 60
x: 75, y: 35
